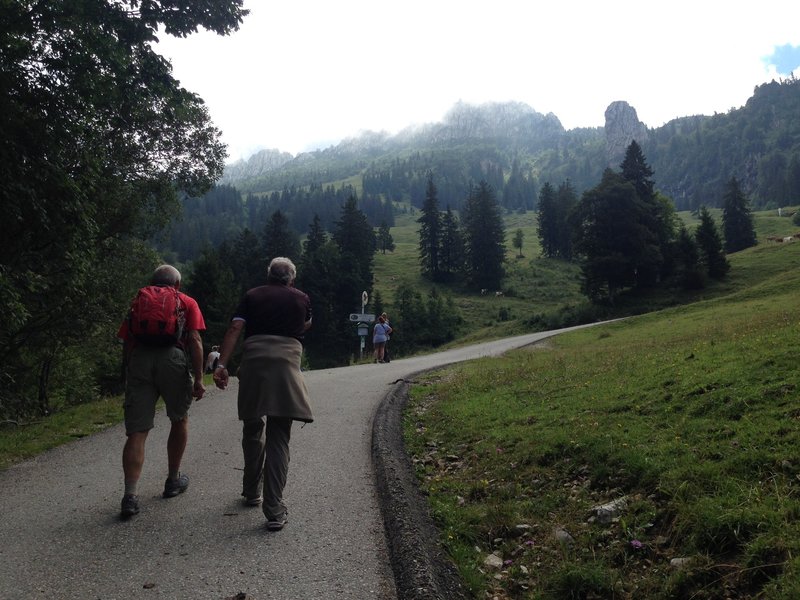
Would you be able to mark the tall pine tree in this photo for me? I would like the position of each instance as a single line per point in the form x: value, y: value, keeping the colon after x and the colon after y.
x: 451, y: 248
x: 547, y: 217
x: 737, y: 220
x: 484, y: 236
x: 709, y: 243
x: 430, y: 232
x: 279, y: 239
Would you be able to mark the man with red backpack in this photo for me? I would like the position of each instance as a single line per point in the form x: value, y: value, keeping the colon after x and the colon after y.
x: 163, y: 356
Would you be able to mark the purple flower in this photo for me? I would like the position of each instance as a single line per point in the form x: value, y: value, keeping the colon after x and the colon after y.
x: 507, y: 562
x: 636, y: 545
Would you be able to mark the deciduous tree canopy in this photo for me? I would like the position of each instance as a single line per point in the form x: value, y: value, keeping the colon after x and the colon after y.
x: 95, y: 138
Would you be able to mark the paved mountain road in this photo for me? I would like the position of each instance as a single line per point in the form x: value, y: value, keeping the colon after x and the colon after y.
x: 61, y: 538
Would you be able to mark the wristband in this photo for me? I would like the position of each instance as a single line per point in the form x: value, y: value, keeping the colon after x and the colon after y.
x: 220, y: 367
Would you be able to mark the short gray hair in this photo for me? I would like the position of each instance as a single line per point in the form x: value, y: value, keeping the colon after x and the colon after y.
x: 166, y: 275
x: 281, y: 270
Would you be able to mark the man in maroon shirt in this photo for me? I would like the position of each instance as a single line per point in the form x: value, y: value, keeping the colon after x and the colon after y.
x: 272, y: 393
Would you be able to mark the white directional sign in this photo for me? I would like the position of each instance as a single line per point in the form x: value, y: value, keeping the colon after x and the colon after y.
x: 362, y: 317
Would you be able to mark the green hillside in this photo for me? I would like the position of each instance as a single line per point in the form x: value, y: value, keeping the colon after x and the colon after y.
x: 684, y: 423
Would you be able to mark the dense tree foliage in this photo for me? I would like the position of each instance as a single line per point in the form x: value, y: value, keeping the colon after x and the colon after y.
x: 760, y: 142
x: 484, y: 239
x: 279, y: 239
x: 430, y: 226
x: 709, y: 243
x: 317, y: 275
x: 737, y: 220
x: 221, y: 214
x: 384, y: 238
x: 96, y: 137
x: 420, y: 321
x: 612, y: 237
x: 555, y: 232
x: 451, y: 247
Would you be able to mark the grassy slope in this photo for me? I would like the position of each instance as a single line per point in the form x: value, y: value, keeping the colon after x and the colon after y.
x: 689, y: 414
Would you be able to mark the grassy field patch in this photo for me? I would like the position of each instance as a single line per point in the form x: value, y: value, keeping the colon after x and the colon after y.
x: 687, y: 419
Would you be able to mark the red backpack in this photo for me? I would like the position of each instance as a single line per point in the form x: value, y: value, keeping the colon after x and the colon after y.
x: 157, y: 316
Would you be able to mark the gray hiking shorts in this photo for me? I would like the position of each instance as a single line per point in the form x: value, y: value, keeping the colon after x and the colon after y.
x: 154, y: 372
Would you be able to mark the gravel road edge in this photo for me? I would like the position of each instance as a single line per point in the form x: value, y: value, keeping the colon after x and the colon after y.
x: 422, y: 570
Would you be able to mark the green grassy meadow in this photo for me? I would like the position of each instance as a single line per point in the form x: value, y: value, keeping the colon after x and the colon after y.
x: 683, y: 423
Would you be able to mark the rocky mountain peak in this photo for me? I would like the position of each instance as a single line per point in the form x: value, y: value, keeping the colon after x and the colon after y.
x: 622, y: 127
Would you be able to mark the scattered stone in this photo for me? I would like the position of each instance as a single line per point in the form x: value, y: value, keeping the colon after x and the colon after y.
x: 493, y: 561
x: 679, y: 563
x: 606, y: 513
x: 563, y: 536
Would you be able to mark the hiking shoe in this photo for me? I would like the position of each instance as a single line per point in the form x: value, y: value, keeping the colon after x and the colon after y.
x: 130, y: 506
x: 252, y: 501
x: 177, y: 486
x: 277, y: 523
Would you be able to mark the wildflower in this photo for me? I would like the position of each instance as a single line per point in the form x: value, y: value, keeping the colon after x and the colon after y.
x: 636, y: 545
x: 508, y: 562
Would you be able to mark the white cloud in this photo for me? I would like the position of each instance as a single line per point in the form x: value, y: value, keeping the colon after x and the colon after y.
x: 310, y: 71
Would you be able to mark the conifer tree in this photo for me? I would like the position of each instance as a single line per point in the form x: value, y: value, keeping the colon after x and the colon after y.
x: 517, y: 242
x: 384, y: 238
x: 430, y: 232
x: 484, y: 237
x: 566, y: 200
x: 612, y: 237
x: 737, y: 220
x: 709, y: 243
x: 547, y: 217
x: 279, y: 239
x: 451, y: 249
x: 243, y: 256
x: 317, y: 276
x: 355, y: 240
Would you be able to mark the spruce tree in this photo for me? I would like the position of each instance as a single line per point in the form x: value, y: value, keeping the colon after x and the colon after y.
x: 430, y: 232
x: 451, y: 248
x: 709, y: 243
x: 612, y: 237
x: 317, y: 276
x: 355, y: 239
x: 737, y: 220
x: 547, y: 217
x: 566, y: 200
x: 517, y: 242
x: 279, y: 239
x: 384, y: 238
x: 484, y: 236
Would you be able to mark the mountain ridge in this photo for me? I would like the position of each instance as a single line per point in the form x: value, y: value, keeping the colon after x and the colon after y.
x: 693, y: 156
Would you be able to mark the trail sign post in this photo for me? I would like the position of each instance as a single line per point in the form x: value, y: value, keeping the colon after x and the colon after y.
x: 362, y: 321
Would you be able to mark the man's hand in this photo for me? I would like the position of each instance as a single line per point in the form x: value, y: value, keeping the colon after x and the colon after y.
x: 198, y: 389
x: 221, y: 377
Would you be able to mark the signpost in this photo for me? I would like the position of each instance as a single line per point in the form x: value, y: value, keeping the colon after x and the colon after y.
x: 362, y: 321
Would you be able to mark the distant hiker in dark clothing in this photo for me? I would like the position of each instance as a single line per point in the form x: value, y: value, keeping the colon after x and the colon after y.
x: 272, y: 393
x: 160, y: 361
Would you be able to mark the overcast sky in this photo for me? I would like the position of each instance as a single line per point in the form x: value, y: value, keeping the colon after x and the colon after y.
x: 303, y: 74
